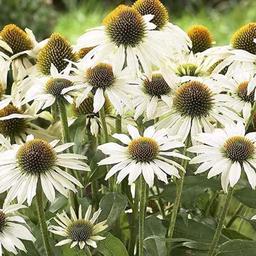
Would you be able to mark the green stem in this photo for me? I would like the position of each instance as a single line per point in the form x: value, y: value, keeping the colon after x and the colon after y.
x: 176, y: 205
x: 160, y: 201
x: 118, y: 124
x: 251, y: 116
x: 42, y: 220
x: 134, y: 220
x: 87, y: 251
x: 111, y: 181
x: 143, y: 200
x: 216, y: 237
x: 235, y: 215
x: 66, y: 138
x: 64, y: 121
x: 104, y: 124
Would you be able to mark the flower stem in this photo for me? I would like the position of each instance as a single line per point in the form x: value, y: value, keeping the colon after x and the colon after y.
x: 64, y: 121
x: 42, y: 220
x: 143, y: 200
x: 216, y: 237
x: 87, y: 251
x: 177, y: 201
x: 111, y: 181
x: 66, y: 138
x: 104, y: 124
x: 251, y: 116
x: 118, y: 124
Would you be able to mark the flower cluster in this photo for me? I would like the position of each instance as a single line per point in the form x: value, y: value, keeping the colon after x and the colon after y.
x: 125, y: 110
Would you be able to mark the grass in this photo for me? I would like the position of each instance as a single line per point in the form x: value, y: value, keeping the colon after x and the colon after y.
x: 221, y: 23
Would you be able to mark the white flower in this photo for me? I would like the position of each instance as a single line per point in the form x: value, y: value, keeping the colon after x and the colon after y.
x: 21, y: 46
x: 46, y: 90
x: 227, y: 152
x: 161, y: 20
x: 153, y: 93
x: 189, y: 65
x: 16, y: 118
x: 79, y: 230
x: 146, y: 155
x: 241, y: 87
x: 197, y: 106
x: 23, y: 166
x: 13, y: 229
x: 104, y: 80
x: 127, y: 37
x: 241, y: 54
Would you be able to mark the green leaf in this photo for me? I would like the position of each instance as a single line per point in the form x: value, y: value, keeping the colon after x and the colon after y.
x: 154, y: 228
x: 246, y: 196
x: 233, y: 234
x: 195, y: 231
x: 59, y: 203
x: 67, y: 251
x: 112, y: 246
x: 238, y: 248
x: 194, y: 186
x: 112, y: 205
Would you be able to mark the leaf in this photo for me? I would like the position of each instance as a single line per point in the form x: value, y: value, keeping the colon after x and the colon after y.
x: 112, y: 205
x: 67, y: 251
x: 154, y: 229
x: 112, y: 246
x: 59, y: 203
x: 246, y: 196
x: 238, y: 248
x: 233, y: 234
x: 195, y: 231
x: 194, y: 186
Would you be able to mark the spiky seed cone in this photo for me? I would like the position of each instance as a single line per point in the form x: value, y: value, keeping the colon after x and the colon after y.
x: 244, y: 38
x: 125, y: 26
x: 201, y: 38
x: 82, y: 52
x: 12, y: 127
x: 154, y: 7
x: 56, y: 52
x: 16, y: 38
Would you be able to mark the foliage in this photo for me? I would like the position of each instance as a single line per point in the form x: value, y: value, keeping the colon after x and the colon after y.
x: 37, y: 15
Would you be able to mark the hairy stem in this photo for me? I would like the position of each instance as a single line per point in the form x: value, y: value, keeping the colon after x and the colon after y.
x: 42, y: 220
x: 143, y: 200
x: 216, y: 237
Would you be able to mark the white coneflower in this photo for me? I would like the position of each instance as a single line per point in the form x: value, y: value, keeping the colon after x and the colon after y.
x: 146, y: 155
x: 128, y: 38
x: 57, y: 51
x: 161, y: 20
x: 154, y: 92
x: 240, y: 54
x: 16, y: 118
x: 227, y: 152
x: 241, y: 87
x: 104, y: 80
x: 12, y: 230
x: 4, y: 68
x: 23, y: 166
x: 46, y: 90
x: 188, y: 65
x: 201, y: 38
x: 20, y: 46
x: 197, y: 106
x: 79, y: 230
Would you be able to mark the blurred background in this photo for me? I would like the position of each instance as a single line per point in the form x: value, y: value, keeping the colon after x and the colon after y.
x: 72, y: 17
